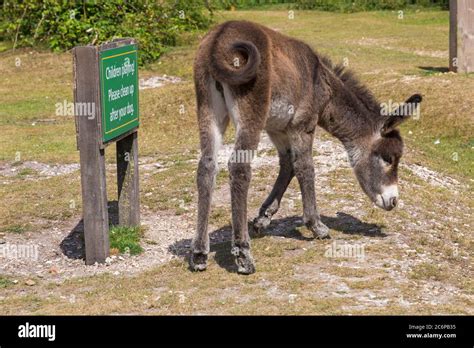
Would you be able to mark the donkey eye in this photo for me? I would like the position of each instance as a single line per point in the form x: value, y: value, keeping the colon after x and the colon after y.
x: 387, y: 159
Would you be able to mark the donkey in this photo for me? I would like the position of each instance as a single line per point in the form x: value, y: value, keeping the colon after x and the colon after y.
x: 264, y: 80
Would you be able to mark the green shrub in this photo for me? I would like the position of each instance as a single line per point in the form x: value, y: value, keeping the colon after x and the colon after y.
x: 331, y: 5
x: 366, y: 5
x: 61, y: 25
x: 244, y: 4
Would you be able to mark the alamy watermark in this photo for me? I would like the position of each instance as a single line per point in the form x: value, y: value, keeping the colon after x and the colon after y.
x: 400, y: 109
x: 19, y: 251
x: 241, y: 156
x: 345, y: 250
x: 37, y: 331
x: 75, y: 109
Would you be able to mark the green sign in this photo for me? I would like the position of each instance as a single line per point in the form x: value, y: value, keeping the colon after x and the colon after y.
x: 118, y: 91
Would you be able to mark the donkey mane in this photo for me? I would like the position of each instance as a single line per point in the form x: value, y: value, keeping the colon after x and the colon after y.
x: 352, y: 82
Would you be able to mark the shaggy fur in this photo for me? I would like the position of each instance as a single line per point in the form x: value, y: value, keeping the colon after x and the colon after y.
x: 263, y: 80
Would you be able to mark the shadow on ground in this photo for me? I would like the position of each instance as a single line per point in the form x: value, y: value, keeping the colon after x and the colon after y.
x: 433, y: 69
x: 73, y: 246
x: 285, y: 227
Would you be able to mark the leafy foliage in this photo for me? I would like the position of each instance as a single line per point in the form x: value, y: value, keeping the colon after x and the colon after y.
x: 242, y: 4
x: 332, y: 5
x: 126, y: 239
x: 61, y: 25
x: 366, y: 5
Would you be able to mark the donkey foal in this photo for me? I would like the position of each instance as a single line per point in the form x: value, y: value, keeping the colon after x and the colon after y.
x: 263, y: 80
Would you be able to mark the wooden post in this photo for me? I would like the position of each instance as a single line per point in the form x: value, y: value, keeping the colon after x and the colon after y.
x: 461, y: 36
x: 453, y: 35
x: 127, y: 180
x: 466, y: 36
x: 92, y: 156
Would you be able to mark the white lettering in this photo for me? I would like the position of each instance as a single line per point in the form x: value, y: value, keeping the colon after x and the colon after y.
x: 37, y: 331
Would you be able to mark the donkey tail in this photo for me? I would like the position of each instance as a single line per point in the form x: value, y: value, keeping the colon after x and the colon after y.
x: 235, y: 74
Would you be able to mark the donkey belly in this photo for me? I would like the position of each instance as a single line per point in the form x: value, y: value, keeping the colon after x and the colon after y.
x: 281, y: 113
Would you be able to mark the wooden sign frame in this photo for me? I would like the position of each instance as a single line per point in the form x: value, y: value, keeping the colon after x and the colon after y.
x: 92, y: 157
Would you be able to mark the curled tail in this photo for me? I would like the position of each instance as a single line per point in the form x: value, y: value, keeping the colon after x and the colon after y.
x: 224, y: 72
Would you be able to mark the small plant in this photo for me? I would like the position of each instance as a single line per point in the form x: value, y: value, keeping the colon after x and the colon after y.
x: 15, y: 229
x: 126, y: 239
x: 26, y: 172
x: 5, y: 282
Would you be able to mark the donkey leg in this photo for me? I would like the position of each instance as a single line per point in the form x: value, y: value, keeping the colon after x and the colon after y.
x: 213, y: 121
x: 302, y: 145
x: 207, y: 170
x: 240, y: 175
x: 271, y: 205
x: 248, y: 115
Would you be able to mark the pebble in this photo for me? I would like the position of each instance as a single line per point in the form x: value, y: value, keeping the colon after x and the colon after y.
x: 108, y: 261
x: 30, y: 282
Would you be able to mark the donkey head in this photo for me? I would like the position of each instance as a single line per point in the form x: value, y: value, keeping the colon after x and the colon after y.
x: 377, y: 158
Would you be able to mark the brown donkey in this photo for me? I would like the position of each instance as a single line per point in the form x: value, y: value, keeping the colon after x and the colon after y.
x: 263, y: 80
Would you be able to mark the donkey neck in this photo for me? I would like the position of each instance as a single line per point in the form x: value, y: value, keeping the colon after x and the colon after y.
x: 344, y: 112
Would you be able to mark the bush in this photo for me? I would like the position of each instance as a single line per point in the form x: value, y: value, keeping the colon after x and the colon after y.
x: 331, y: 5
x: 61, y: 25
x: 366, y: 5
x: 242, y: 4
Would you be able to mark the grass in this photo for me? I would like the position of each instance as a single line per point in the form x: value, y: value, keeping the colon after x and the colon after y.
x: 126, y: 239
x: 16, y: 228
x: 5, y: 282
x: 172, y: 289
x: 427, y: 271
x: 49, y: 202
x: 26, y: 171
x: 393, y: 57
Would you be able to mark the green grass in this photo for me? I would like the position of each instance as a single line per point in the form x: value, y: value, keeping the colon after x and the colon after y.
x: 13, y: 228
x: 5, y: 282
x: 126, y: 239
x: 26, y: 171
x: 5, y: 46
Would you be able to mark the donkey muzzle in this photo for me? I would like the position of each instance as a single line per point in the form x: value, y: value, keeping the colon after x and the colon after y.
x: 388, y: 199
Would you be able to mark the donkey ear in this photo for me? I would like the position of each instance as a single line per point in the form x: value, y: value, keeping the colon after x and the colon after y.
x: 402, y: 113
x: 415, y: 98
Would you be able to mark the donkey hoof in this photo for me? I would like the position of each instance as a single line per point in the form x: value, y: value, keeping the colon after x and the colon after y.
x: 260, y: 223
x: 198, y: 262
x: 320, y: 231
x: 245, y: 266
x: 244, y: 260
